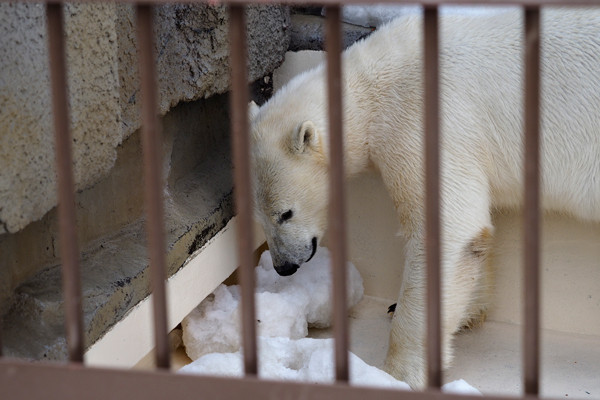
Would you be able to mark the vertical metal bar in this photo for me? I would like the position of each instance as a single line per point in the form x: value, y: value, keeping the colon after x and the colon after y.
x: 69, y: 250
x: 531, y: 211
x: 337, y: 210
x: 153, y: 192
x: 432, y: 197
x: 241, y: 176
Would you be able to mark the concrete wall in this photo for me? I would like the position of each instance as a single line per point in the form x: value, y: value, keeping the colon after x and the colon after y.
x: 192, y: 54
x: 193, y: 75
x: 198, y: 203
x: 27, y: 181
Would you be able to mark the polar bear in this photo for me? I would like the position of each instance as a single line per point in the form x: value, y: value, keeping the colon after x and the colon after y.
x: 481, y: 151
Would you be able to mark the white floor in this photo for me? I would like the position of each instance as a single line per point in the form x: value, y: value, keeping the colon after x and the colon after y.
x: 489, y: 357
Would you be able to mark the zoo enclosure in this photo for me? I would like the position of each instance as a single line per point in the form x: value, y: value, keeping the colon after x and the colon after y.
x: 74, y: 380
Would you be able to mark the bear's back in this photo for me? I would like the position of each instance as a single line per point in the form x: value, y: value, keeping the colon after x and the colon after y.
x: 481, y: 67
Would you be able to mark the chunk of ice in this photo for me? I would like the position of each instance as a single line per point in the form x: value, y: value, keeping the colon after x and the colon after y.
x: 307, y: 360
x: 285, y: 306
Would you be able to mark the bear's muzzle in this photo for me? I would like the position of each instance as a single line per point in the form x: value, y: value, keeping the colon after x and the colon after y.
x: 286, y: 269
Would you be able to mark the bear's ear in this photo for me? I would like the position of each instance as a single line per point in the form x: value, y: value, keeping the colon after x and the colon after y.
x: 306, y: 138
x: 252, y: 111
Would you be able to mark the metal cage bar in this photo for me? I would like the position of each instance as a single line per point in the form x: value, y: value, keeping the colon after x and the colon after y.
x: 69, y: 250
x: 337, y: 209
x: 531, y: 212
x: 432, y: 197
x: 534, y: 3
x: 15, y: 376
x: 153, y: 197
x: 76, y: 383
x: 242, y: 182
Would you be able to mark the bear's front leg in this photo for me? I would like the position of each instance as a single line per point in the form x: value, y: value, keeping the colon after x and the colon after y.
x: 465, y: 290
x: 406, y: 352
x: 406, y: 357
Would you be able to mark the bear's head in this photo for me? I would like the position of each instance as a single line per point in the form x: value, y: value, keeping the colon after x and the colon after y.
x: 289, y: 171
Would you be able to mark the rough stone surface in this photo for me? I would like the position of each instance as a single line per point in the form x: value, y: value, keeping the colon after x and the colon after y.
x: 308, y: 33
x: 192, y: 53
x: 114, y: 274
x: 192, y: 64
x: 27, y: 178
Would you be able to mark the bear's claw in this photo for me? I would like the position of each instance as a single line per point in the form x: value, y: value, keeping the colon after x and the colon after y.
x: 392, y: 309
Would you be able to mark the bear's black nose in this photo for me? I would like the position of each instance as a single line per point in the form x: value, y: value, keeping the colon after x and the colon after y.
x: 286, y: 269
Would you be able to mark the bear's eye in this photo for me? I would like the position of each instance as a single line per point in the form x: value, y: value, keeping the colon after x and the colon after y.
x: 286, y: 216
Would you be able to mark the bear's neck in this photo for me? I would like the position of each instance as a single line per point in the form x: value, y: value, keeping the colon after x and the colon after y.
x: 312, y: 86
x: 372, y: 103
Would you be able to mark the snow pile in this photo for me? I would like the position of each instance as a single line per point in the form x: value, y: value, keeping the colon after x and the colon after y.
x: 309, y: 360
x: 460, y: 386
x: 285, y: 306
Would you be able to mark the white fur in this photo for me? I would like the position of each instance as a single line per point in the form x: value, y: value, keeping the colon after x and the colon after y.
x: 481, y: 107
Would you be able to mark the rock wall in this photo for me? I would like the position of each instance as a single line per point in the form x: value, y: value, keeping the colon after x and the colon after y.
x: 192, y: 55
x: 27, y: 178
x: 114, y: 260
x: 193, y: 78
